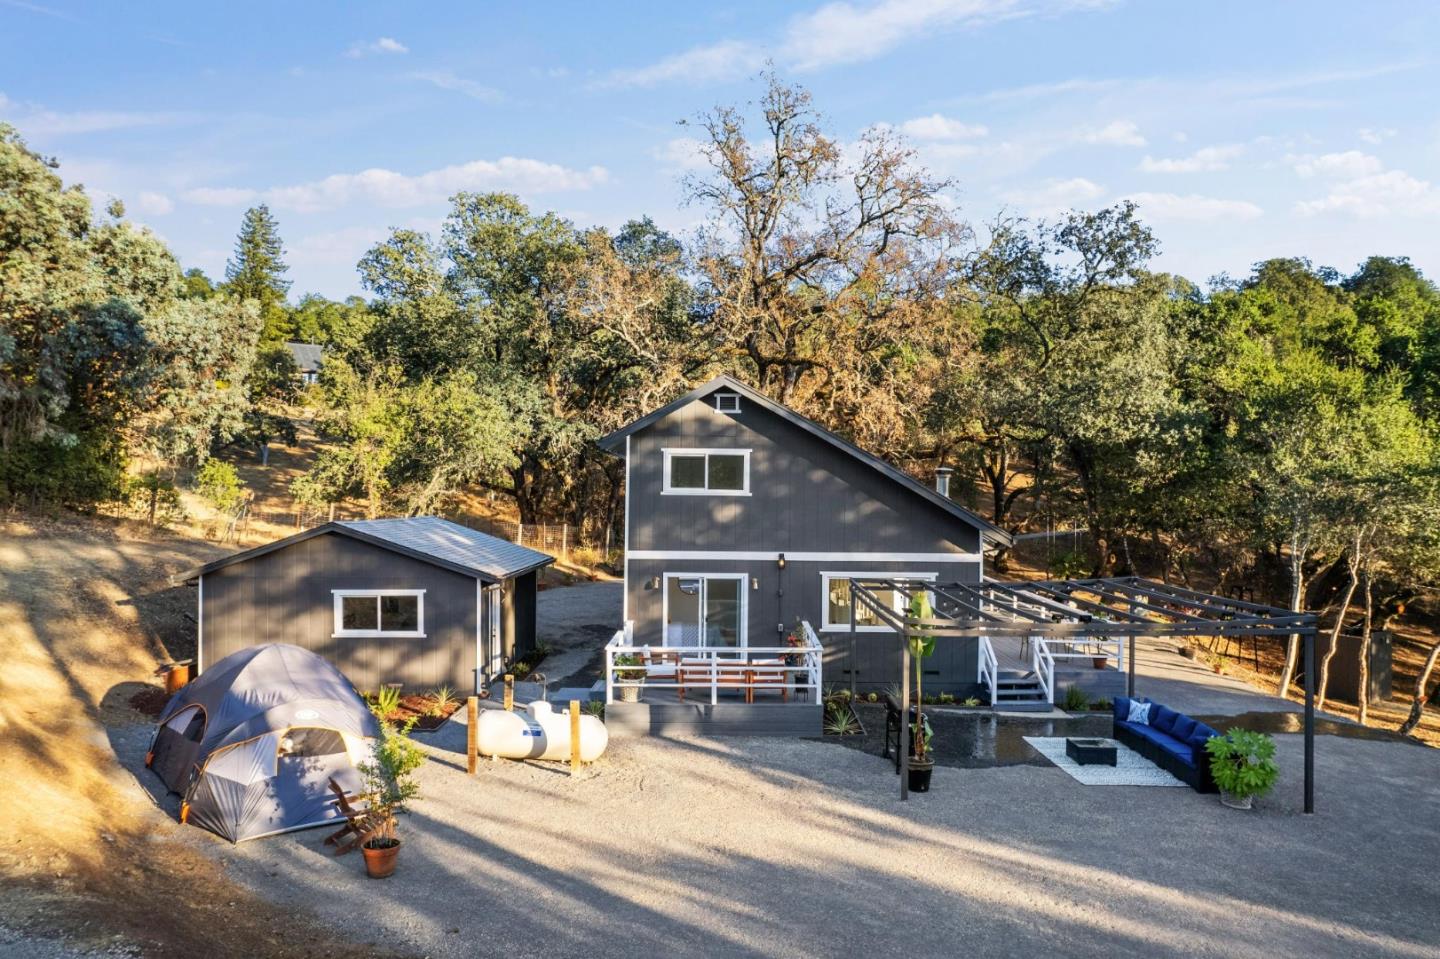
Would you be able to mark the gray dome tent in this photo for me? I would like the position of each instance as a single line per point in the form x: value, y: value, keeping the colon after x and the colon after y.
x: 252, y: 743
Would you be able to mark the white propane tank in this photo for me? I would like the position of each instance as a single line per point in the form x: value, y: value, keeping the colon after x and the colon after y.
x: 538, y: 733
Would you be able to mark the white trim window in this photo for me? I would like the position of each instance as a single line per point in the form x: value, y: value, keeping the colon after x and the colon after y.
x: 835, y: 600
x: 727, y: 402
x: 707, y: 472
x: 396, y: 613
x: 704, y: 609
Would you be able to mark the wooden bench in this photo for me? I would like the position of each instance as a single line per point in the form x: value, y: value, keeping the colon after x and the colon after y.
x: 359, y: 826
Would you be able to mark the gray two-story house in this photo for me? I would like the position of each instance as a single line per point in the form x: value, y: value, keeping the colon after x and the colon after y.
x: 744, y: 517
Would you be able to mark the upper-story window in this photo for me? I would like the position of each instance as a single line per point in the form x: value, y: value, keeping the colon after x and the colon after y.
x: 691, y: 472
x: 727, y: 402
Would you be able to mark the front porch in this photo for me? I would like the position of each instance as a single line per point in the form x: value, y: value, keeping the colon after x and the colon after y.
x: 714, y: 690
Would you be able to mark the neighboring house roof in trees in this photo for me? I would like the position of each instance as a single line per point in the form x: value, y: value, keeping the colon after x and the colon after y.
x: 308, y: 356
x: 615, y: 443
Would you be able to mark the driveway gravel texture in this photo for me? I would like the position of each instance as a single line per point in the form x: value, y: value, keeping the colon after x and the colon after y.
x: 772, y: 847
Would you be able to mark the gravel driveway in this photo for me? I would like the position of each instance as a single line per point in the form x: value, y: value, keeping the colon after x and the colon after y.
x: 577, y: 621
x: 800, y: 848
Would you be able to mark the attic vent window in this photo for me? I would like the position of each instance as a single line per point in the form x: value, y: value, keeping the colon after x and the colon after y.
x: 727, y: 402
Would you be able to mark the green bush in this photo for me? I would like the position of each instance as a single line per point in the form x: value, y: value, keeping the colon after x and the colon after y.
x: 390, y: 774
x: 1070, y: 564
x: 1243, y: 762
x: 219, y: 485
x: 1075, y: 699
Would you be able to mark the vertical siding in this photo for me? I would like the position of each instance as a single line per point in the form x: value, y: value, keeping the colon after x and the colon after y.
x: 285, y: 597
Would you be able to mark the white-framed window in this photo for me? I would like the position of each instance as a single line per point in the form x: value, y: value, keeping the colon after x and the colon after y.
x: 835, y: 600
x: 704, y: 609
x: 379, y: 612
x: 727, y: 402
x: 707, y: 472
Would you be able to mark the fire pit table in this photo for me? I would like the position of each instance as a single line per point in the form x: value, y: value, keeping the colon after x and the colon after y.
x: 1091, y: 752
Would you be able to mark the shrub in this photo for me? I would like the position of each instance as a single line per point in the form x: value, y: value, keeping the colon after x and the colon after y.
x: 1075, y: 699
x: 1071, y: 564
x: 1243, y: 762
x: 971, y: 702
x: 440, y: 700
x: 219, y: 485
x: 387, y: 702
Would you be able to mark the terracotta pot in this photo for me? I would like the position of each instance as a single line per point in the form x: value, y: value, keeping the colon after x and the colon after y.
x: 1100, y: 661
x: 380, y: 863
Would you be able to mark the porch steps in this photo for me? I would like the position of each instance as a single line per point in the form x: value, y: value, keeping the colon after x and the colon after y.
x: 1017, y: 692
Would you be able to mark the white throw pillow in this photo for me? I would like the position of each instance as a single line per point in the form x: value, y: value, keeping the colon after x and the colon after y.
x: 1139, y: 713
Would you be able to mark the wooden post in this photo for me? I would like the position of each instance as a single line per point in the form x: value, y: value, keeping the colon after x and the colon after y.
x: 574, y: 736
x: 472, y: 733
x: 564, y: 539
x: 509, y: 692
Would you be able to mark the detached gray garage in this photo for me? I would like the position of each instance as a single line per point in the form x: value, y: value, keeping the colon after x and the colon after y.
x: 419, y: 601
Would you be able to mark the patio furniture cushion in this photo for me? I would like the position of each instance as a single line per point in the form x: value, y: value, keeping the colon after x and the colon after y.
x: 1200, y: 735
x: 1139, y: 713
x: 1183, y: 727
x: 1163, y: 718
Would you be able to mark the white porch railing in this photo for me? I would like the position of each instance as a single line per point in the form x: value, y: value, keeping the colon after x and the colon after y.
x: 705, y: 670
x: 989, y: 667
x: 1045, y: 652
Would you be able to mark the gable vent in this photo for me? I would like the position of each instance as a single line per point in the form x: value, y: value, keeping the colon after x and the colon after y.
x: 727, y: 402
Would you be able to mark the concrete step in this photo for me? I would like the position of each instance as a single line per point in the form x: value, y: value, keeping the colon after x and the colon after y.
x: 1028, y: 706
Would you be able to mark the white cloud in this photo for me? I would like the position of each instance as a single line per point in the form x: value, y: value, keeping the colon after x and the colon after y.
x: 1054, y: 196
x: 1351, y: 163
x: 1204, y: 160
x: 446, y: 80
x: 836, y: 33
x: 1374, y: 192
x: 383, y: 45
x: 708, y: 64
x: 391, y: 189
x: 1192, y: 206
x: 39, y: 122
x: 1372, y: 136
x: 683, y: 154
x: 154, y: 204
x: 1120, y: 133
x: 939, y: 127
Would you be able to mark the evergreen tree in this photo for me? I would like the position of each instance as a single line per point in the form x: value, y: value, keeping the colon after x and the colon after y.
x: 258, y: 270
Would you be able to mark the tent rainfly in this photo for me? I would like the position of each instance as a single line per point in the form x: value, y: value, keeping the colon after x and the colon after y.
x: 251, y: 745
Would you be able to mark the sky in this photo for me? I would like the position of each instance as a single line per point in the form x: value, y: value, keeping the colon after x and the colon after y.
x: 1244, y: 130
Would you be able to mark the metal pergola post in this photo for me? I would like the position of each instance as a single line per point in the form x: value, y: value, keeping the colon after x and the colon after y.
x: 1309, y: 640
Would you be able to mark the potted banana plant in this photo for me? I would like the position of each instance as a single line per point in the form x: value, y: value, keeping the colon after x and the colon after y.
x: 1242, y: 764
x: 922, y: 645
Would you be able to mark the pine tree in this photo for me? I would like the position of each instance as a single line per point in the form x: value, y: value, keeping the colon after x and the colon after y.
x: 257, y: 272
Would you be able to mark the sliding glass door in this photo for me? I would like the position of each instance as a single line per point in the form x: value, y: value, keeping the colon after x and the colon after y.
x: 705, y: 609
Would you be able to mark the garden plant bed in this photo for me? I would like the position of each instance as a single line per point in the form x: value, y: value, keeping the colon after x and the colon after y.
x: 422, y: 710
x: 841, y: 718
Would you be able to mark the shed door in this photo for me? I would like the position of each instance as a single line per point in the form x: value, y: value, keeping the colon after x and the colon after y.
x: 494, y: 647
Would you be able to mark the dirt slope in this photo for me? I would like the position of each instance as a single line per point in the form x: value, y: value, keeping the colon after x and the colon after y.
x: 85, y: 617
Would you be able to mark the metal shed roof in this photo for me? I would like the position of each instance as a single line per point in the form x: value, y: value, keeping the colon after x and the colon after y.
x: 427, y: 538
x: 614, y: 443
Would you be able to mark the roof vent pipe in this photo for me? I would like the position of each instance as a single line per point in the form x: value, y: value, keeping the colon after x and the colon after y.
x: 942, y: 480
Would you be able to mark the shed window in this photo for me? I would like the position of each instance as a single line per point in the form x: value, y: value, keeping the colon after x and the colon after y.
x: 707, y: 472
x: 374, y: 612
x: 727, y: 402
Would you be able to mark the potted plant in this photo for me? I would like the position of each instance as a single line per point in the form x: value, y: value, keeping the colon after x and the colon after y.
x: 922, y: 645
x: 1243, y: 766
x: 390, y: 782
x: 629, y: 678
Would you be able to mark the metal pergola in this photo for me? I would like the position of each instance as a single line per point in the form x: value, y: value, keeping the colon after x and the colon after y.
x: 1080, y: 609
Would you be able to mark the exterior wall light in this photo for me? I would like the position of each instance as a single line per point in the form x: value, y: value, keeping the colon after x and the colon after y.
x: 780, y: 561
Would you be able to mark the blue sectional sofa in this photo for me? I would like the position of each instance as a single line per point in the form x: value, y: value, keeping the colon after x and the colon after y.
x: 1171, y: 740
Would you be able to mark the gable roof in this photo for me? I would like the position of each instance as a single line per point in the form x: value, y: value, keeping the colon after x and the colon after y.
x: 614, y: 443
x: 429, y: 539
x: 307, y: 355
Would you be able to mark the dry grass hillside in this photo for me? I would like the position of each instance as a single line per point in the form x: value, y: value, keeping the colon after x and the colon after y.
x: 87, y: 615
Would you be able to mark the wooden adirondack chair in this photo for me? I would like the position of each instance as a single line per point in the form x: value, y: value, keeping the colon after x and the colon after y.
x: 359, y: 824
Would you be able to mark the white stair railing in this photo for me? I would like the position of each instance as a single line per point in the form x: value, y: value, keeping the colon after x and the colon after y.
x: 1042, y: 661
x: 989, y: 667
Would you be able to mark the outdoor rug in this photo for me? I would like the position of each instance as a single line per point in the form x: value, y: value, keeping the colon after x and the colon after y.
x: 1130, y: 769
